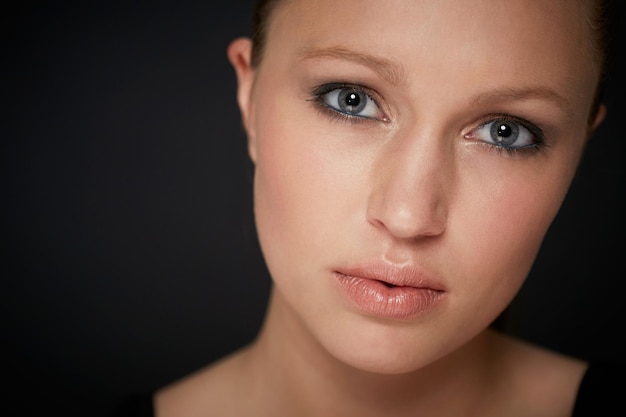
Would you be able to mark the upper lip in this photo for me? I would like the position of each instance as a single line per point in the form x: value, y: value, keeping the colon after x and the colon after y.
x: 405, y: 275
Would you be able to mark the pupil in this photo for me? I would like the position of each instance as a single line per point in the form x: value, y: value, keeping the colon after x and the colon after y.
x: 352, y: 100
x: 504, y: 131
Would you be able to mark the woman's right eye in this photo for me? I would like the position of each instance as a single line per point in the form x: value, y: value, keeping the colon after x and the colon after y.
x: 350, y: 101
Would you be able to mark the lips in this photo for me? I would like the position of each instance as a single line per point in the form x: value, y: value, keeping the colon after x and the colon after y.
x: 386, y: 291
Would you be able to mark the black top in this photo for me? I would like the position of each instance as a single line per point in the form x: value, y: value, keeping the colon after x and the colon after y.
x: 136, y: 405
x: 600, y: 392
x: 598, y: 395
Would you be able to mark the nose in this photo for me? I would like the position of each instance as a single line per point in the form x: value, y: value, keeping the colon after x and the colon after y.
x: 412, y: 187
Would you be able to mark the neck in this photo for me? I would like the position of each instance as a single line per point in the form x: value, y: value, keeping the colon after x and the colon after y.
x: 300, y: 377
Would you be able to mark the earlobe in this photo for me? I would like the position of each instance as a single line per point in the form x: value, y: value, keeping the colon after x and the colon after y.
x: 240, y: 54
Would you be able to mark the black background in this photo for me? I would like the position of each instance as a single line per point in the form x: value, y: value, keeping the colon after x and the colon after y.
x: 129, y: 257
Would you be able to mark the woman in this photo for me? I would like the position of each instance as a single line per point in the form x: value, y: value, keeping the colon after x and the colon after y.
x: 409, y: 159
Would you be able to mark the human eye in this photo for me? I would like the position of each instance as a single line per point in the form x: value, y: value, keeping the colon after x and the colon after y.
x: 349, y: 101
x: 510, y: 134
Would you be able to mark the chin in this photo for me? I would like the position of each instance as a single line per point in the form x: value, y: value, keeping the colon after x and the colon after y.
x: 385, y: 349
x: 385, y: 363
x: 384, y: 366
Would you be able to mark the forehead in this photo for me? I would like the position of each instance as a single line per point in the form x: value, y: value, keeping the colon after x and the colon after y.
x: 424, y: 16
x: 515, y: 37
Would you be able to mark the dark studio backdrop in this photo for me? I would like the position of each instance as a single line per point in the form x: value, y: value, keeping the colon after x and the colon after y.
x: 129, y: 256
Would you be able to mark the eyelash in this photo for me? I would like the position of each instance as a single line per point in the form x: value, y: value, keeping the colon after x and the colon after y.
x: 539, y: 140
x: 539, y: 144
x: 317, y: 98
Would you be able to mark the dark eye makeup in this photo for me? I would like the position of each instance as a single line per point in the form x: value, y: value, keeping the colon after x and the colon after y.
x: 354, y: 103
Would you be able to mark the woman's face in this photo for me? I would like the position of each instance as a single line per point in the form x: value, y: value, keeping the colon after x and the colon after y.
x: 409, y: 160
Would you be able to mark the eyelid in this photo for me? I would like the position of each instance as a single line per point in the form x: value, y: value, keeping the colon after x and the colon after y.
x: 536, y: 131
x: 328, y: 87
x: 539, y: 144
x: 319, y: 91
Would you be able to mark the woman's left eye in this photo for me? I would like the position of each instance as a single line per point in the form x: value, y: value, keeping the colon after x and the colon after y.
x: 506, y: 133
x: 350, y: 101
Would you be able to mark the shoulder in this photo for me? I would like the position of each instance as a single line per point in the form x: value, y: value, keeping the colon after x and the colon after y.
x: 213, y: 388
x: 601, y: 389
x: 566, y: 385
x: 529, y: 375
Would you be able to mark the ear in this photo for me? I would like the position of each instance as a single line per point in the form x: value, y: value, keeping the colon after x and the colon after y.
x: 600, y: 115
x: 240, y: 54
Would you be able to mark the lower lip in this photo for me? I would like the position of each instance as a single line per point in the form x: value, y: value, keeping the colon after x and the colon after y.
x: 374, y: 298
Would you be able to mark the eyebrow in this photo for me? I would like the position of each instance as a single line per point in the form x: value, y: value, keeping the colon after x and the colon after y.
x: 389, y: 70
x: 524, y: 93
x: 394, y: 74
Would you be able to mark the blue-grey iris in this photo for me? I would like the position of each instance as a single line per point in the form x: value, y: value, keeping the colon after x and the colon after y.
x: 504, y: 133
x: 350, y: 101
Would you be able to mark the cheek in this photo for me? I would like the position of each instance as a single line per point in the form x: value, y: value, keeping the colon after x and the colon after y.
x: 293, y: 184
x: 501, y: 227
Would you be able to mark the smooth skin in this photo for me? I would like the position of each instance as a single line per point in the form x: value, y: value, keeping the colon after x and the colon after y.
x: 412, y: 179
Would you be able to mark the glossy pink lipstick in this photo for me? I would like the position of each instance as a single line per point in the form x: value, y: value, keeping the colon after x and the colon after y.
x: 385, y: 291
